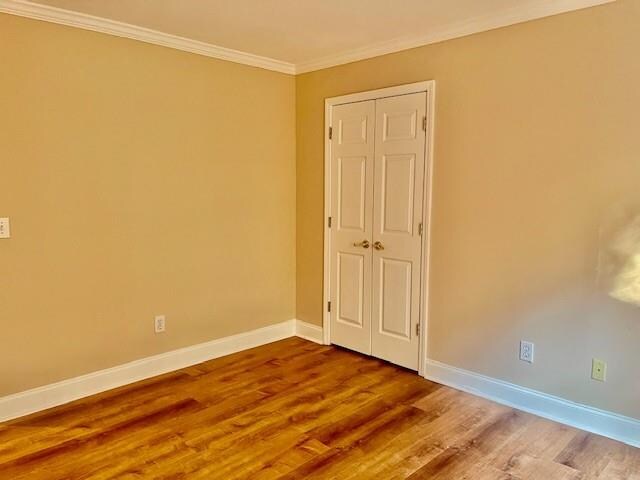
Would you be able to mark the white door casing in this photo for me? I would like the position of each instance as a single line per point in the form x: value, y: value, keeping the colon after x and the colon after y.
x: 397, y: 218
x: 352, y: 224
x: 395, y: 333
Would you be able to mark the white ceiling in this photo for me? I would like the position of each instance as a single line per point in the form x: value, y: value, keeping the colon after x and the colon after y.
x: 312, y: 34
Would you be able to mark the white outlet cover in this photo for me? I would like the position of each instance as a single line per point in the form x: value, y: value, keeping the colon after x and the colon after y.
x: 599, y: 370
x: 5, y: 230
x: 160, y: 323
x: 527, y: 351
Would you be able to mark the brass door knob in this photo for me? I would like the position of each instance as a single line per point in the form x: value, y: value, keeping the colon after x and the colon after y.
x: 363, y: 244
x: 378, y: 245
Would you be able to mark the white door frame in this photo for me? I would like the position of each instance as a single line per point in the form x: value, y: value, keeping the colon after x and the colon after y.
x: 429, y: 87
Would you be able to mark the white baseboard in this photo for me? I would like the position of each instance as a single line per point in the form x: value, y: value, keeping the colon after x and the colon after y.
x: 607, y: 424
x: 55, y: 394
x: 604, y: 423
x: 310, y: 332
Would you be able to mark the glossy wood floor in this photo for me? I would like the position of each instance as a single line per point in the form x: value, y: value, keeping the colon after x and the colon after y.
x: 294, y: 410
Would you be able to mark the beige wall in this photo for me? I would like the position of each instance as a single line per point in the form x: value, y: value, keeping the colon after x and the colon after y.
x: 139, y: 180
x: 142, y: 180
x: 537, y: 154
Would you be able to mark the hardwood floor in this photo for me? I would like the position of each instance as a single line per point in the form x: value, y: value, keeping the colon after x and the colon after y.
x: 294, y: 410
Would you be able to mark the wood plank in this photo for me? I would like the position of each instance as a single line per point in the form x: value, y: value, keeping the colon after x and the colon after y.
x: 297, y: 410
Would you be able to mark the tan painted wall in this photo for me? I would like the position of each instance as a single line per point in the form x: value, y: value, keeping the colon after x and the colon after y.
x: 537, y: 158
x: 139, y: 180
x: 134, y: 189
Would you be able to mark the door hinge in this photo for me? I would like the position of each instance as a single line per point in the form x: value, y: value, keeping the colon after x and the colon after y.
x: 418, y: 329
x: 331, y: 132
x: 329, y: 306
x: 420, y: 229
x: 424, y: 123
x: 329, y: 222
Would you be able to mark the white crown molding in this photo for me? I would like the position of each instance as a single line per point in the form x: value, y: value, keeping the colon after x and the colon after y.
x: 454, y: 30
x: 600, y: 422
x: 483, y: 23
x: 89, y: 22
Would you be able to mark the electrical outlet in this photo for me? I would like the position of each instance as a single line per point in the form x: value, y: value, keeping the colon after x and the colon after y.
x: 599, y: 370
x: 5, y: 231
x: 160, y: 323
x: 526, y: 351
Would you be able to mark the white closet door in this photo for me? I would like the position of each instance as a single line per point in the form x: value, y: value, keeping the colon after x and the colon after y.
x: 352, y: 150
x: 397, y: 213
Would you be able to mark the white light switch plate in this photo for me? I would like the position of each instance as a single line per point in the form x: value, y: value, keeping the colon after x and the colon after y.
x: 5, y: 231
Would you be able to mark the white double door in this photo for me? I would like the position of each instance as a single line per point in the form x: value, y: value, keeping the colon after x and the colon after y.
x: 377, y: 188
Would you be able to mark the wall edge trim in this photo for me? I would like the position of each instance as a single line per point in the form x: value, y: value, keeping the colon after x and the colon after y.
x: 450, y: 31
x: 309, y: 331
x: 48, y: 396
x: 84, y: 21
x: 591, y: 419
x: 483, y: 23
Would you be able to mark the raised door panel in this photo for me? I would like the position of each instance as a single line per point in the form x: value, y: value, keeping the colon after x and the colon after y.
x: 353, y: 129
x: 350, y: 289
x: 394, y: 316
x: 397, y: 193
x: 399, y: 125
x: 351, y: 192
